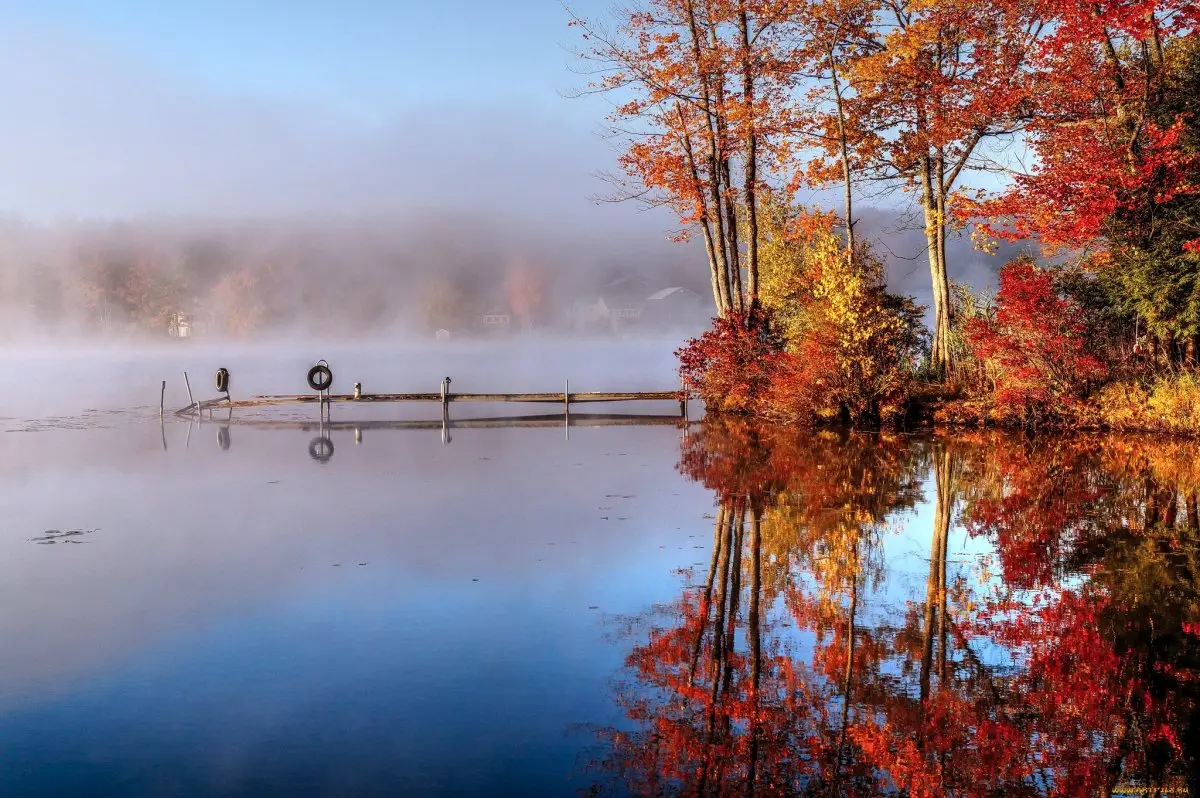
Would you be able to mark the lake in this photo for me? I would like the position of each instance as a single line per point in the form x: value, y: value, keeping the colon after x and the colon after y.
x: 720, y: 608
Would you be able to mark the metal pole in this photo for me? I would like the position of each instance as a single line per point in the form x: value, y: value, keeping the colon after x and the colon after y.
x: 162, y: 397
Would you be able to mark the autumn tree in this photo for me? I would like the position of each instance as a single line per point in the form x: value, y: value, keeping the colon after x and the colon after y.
x: 1116, y: 137
x: 732, y: 365
x: 853, y: 346
x: 445, y: 304
x: 236, y: 302
x: 525, y: 287
x: 1034, y: 349
x: 931, y: 86
x: 151, y: 291
x: 702, y: 84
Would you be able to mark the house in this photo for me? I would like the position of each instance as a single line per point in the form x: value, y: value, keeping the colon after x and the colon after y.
x: 497, y: 320
x: 621, y: 301
x: 676, y: 307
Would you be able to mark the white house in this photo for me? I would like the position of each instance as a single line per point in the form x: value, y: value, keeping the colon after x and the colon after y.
x: 497, y: 319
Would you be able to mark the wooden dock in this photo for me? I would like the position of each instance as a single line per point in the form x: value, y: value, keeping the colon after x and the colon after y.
x: 565, y: 398
x: 504, y: 422
x: 562, y: 397
x: 320, y: 378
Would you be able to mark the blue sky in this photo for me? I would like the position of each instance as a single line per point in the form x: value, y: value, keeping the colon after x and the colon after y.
x: 366, y: 56
x: 119, y: 108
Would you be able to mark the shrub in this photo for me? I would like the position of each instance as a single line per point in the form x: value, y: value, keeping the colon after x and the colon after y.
x: 852, y: 348
x: 1034, y: 347
x: 731, y: 365
x: 1172, y: 404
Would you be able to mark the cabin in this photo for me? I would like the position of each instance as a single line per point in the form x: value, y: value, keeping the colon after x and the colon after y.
x: 676, y: 307
x: 621, y: 301
x: 497, y: 320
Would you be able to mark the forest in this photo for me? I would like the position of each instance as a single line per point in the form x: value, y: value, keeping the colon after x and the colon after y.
x: 250, y: 278
x: 1068, y: 126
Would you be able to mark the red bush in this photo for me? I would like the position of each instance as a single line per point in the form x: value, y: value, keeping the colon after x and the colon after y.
x: 731, y: 365
x: 1034, y: 350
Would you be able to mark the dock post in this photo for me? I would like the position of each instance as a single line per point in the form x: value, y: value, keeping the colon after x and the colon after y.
x: 567, y: 407
x: 191, y: 401
x: 162, y: 397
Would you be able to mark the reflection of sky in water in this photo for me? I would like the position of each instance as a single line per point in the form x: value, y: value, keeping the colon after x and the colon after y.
x: 213, y: 632
x: 216, y: 631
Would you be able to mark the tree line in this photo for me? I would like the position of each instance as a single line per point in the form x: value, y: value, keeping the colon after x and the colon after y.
x: 247, y: 278
x: 1083, y: 114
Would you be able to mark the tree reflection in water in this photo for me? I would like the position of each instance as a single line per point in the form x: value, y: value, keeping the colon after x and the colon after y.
x: 1063, y: 661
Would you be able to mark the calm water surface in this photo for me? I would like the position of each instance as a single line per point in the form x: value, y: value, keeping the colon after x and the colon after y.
x: 213, y: 610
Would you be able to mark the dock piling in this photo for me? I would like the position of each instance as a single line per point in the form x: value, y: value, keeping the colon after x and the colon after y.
x: 191, y: 401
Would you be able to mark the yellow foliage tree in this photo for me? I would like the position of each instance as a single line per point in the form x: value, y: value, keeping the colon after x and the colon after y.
x: 854, y: 345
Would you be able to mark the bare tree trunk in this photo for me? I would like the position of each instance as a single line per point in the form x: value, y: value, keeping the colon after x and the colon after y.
x: 934, y: 241
x: 844, y: 155
x: 716, y: 198
x: 947, y: 319
x: 705, y: 228
x: 733, y: 251
x: 751, y: 170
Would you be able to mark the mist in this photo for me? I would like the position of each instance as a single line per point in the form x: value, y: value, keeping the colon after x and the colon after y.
x: 137, y: 188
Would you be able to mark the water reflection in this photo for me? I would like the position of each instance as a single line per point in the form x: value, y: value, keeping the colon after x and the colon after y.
x: 1044, y: 644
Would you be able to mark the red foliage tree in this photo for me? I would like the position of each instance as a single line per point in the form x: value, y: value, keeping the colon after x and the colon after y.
x: 1034, y: 349
x: 1095, y: 93
x: 732, y: 364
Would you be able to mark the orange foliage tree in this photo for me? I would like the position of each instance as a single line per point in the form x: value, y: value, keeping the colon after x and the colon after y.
x: 703, y: 87
x: 235, y: 301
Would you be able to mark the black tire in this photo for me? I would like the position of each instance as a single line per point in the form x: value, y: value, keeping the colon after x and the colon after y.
x: 320, y: 449
x: 223, y: 438
x: 223, y: 380
x: 326, y: 378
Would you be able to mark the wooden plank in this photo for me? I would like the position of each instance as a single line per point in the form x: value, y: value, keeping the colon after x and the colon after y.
x: 594, y: 396
x: 555, y: 420
x: 377, y: 398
